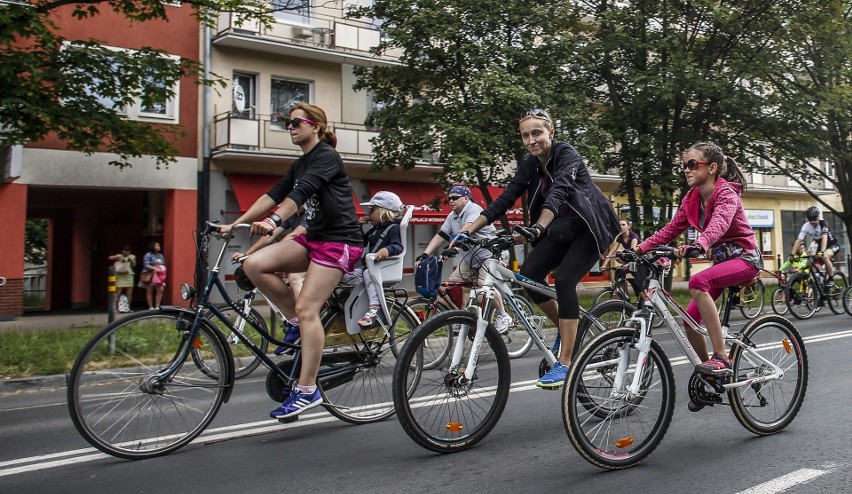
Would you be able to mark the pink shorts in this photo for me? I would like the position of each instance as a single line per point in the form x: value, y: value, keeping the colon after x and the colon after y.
x: 332, y: 254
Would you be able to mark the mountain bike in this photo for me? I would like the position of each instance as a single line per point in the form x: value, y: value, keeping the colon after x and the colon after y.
x: 455, y: 404
x: 618, y: 399
x: 807, y: 292
x: 149, y: 383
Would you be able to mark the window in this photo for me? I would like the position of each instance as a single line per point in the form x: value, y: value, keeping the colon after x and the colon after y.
x: 162, y: 109
x: 286, y: 94
x: 298, y: 11
x: 243, y: 104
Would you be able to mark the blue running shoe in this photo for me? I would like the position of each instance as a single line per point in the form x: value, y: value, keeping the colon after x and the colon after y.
x: 292, y: 336
x: 555, y: 377
x: 297, y: 403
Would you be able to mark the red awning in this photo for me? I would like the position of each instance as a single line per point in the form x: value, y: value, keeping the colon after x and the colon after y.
x: 247, y: 188
x: 421, y: 195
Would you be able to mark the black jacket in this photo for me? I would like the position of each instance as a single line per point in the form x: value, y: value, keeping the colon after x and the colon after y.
x: 572, y: 185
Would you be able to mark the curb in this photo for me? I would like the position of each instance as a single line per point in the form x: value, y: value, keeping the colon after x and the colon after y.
x: 34, y: 382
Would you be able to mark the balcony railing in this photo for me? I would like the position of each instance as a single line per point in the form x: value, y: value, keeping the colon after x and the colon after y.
x: 262, y: 133
x: 330, y: 34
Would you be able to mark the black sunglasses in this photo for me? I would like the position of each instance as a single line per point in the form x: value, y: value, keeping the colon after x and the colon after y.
x: 295, y: 122
x: 454, y: 198
x: 536, y: 112
x: 694, y: 164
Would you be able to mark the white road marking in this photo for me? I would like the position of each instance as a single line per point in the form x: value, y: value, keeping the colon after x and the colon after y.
x: 785, y: 482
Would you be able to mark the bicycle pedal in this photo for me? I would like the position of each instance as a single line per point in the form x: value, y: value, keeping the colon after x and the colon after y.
x: 289, y: 420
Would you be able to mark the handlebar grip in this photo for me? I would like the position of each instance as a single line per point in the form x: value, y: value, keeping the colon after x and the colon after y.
x: 449, y: 253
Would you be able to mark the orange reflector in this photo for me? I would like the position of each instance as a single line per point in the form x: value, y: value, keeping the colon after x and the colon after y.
x: 624, y: 442
x: 786, y: 343
x: 197, y: 343
x: 454, y: 426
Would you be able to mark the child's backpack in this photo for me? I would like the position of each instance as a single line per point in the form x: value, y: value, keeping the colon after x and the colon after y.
x: 427, y: 277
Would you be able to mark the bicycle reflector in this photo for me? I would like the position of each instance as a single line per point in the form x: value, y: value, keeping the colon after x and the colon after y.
x: 454, y: 426
x: 786, y: 344
x: 624, y: 442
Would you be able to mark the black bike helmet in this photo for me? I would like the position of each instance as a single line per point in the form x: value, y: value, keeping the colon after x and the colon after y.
x: 812, y: 213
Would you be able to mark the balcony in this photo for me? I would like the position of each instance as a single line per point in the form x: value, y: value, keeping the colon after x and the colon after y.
x: 264, y: 137
x: 323, y: 38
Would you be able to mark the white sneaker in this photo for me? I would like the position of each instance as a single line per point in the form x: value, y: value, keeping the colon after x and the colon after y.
x: 502, y: 323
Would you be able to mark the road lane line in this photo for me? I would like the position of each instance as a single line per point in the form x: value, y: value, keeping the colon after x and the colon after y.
x: 785, y: 482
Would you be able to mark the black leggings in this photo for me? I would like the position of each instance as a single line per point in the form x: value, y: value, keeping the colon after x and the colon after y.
x: 570, y: 248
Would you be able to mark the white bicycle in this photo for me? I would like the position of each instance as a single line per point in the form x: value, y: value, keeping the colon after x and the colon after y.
x: 619, y: 396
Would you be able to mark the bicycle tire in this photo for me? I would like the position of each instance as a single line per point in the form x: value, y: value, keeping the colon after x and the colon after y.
x: 516, y: 338
x: 835, y: 292
x: 603, y: 296
x: 424, y: 308
x: 847, y: 300
x: 437, y: 408
x: 779, y: 301
x: 361, y: 393
x: 758, y: 406
x: 752, y: 299
x: 612, y: 442
x: 612, y: 313
x: 115, y: 400
x: 245, y: 360
x: 801, y: 296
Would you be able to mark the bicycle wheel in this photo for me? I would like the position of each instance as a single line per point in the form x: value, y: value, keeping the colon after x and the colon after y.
x: 847, y: 300
x: 779, y: 301
x: 441, y: 409
x: 120, y: 403
x: 245, y: 361
x: 518, y: 341
x: 360, y: 368
x: 424, y: 308
x: 604, y: 295
x: 603, y: 419
x: 835, y: 292
x: 769, y: 406
x: 801, y: 296
x: 752, y: 300
x: 610, y: 314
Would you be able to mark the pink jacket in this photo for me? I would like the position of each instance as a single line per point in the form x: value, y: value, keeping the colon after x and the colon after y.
x: 724, y: 219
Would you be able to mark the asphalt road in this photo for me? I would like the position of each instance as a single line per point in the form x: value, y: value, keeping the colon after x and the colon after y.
x: 245, y: 451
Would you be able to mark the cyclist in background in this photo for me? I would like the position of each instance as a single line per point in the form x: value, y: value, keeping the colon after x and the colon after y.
x: 797, y: 261
x: 626, y: 239
x: 828, y: 244
x: 464, y: 211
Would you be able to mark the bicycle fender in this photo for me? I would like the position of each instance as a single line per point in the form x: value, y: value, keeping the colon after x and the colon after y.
x: 229, y: 356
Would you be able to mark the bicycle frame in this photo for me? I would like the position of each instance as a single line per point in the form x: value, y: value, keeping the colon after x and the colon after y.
x: 202, y: 303
x: 499, y: 279
x: 659, y: 298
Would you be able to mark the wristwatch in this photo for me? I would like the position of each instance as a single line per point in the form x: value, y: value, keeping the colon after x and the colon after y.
x: 276, y: 219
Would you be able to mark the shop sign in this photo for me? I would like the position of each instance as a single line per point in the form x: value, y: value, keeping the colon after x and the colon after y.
x: 760, y: 218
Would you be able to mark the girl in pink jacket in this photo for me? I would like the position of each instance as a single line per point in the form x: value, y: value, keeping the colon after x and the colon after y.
x: 713, y: 207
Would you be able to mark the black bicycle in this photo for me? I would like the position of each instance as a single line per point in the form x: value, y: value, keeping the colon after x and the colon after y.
x: 807, y: 291
x: 149, y: 383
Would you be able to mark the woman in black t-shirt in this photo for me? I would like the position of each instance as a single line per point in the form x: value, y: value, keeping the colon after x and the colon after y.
x: 329, y: 248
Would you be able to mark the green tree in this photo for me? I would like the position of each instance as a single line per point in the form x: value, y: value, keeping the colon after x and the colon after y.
x: 35, y: 242
x: 75, y: 88
x: 804, y: 127
x: 668, y: 74
x: 468, y: 70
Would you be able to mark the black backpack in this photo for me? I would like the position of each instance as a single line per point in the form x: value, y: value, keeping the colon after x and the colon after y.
x: 427, y: 277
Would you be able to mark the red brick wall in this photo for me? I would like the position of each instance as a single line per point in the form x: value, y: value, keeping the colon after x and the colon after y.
x: 12, y: 298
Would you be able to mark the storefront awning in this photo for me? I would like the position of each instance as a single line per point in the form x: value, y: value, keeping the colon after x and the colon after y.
x: 248, y: 187
x: 421, y: 195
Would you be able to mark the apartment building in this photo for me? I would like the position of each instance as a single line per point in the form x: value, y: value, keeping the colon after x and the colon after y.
x: 90, y: 208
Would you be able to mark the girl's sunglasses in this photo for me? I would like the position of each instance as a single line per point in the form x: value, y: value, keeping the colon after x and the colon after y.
x: 295, y: 122
x: 694, y: 164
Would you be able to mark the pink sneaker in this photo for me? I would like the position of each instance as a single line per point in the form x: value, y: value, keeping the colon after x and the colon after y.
x: 717, y: 365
